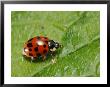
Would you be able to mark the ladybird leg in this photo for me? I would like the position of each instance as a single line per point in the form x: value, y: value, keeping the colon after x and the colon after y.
x: 44, y: 57
x: 52, y: 54
x: 53, y: 60
x: 32, y: 59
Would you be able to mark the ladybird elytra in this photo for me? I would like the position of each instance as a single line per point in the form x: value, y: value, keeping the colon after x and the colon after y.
x: 39, y: 46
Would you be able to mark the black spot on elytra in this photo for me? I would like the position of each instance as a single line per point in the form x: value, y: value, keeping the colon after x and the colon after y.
x: 44, y: 45
x: 30, y: 54
x: 38, y: 37
x: 30, y: 40
x: 45, y: 37
x: 30, y: 49
x: 29, y: 45
x: 44, y: 51
x: 36, y: 49
x: 38, y: 54
x: 46, y: 42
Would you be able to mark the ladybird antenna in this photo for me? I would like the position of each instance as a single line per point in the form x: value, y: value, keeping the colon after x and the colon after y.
x: 60, y: 45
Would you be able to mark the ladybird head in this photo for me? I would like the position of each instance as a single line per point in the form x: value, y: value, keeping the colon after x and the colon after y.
x: 53, y: 45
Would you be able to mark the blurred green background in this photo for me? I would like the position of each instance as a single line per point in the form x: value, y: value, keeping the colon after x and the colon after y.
x: 77, y: 31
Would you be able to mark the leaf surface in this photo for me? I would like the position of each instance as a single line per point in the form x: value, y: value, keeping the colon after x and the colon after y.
x: 77, y: 31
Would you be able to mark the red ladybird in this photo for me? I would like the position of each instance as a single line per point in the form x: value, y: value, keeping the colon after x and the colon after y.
x: 39, y: 46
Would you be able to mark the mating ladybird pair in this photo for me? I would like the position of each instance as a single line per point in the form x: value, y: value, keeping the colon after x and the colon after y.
x: 39, y: 46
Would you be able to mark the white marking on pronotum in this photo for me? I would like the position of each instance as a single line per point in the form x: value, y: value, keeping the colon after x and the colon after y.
x: 48, y: 42
x: 53, y: 49
x: 40, y: 42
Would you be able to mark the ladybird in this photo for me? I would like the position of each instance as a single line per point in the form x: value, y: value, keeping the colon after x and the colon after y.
x: 39, y: 47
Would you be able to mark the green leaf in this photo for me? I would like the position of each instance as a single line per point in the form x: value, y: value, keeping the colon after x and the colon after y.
x: 83, y: 62
x: 77, y: 31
